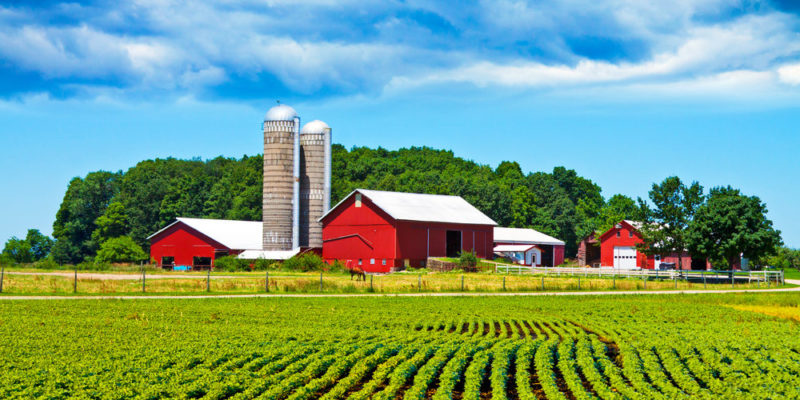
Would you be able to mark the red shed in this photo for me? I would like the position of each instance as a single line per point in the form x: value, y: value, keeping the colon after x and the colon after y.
x: 196, y: 243
x: 382, y: 231
x: 618, y: 250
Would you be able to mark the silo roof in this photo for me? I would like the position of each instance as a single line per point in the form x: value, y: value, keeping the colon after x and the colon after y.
x: 281, y: 112
x: 315, y: 126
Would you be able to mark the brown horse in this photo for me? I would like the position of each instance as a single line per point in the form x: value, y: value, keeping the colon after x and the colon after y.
x: 358, y: 273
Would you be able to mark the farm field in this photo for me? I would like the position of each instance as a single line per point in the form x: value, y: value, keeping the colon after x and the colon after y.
x: 281, y: 282
x: 609, y: 347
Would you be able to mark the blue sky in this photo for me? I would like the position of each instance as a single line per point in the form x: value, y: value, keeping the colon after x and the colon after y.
x: 625, y: 92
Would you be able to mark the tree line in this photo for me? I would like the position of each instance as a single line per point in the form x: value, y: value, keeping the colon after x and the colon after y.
x: 107, y: 216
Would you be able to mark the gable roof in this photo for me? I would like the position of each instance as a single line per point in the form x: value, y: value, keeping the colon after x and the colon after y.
x: 235, y: 235
x: 635, y: 225
x: 522, y: 235
x: 422, y: 207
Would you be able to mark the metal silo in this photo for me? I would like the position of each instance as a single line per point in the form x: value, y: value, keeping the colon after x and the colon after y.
x: 281, y: 205
x: 315, y: 180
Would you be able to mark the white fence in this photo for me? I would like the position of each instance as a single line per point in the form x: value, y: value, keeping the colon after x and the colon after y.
x: 749, y: 276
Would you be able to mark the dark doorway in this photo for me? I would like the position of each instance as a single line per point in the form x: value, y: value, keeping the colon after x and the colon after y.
x: 698, y: 264
x: 453, y: 243
x: 168, y: 262
x: 201, y: 263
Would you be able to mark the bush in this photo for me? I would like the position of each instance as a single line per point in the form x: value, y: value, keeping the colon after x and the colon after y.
x: 467, y: 259
x: 120, y: 250
x: 6, y: 260
x: 305, y: 262
x: 232, y: 264
x: 47, y: 263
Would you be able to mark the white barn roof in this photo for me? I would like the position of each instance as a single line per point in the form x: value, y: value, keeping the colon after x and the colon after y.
x: 235, y: 235
x: 268, y: 254
x: 423, y: 207
x: 513, y: 248
x: 523, y: 236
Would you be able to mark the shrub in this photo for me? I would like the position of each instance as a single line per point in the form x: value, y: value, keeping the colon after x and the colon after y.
x: 120, y: 250
x: 467, y: 260
x: 232, y: 264
x: 47, y: 263
x: 305, y: 262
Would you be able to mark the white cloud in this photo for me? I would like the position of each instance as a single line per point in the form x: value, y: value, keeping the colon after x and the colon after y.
x: 790, y: 74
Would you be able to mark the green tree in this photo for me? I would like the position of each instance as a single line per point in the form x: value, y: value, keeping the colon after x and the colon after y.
x: 18, y: 250
x: 85, y: 201
x: 120, y: 250
x: 664, y: 226
x: 113, y: 223
x: 34, y: 247
x: 730, y: 225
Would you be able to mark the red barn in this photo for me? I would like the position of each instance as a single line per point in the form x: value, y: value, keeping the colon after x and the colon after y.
x: 381, y: 231
x: 195, y: 243
x: 618, y: 250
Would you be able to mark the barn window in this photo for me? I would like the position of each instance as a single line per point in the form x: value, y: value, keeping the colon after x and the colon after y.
x: 359, y: 261
x: 358, y: 199
x: 384, y: 262
x: 167, y: 262
x: 372, y: 261
x: 618, y: 234
x: 630, y: 234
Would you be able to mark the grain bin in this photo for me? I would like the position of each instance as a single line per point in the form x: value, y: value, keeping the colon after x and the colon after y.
x: 281, y: 188
x: 315, y: 181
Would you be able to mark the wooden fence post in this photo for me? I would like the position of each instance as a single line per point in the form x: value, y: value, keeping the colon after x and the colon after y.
x: 462, y: 283
x: 504, y: 284
x: 75, y: 282
x: 266, y: 282
x: 579, y: 282
x: 731, y: 278
x: 419, y: 283
x: 208, y: 280
x: 542, y: 281
x: 143, y: 278
x: 370, y: 283
x: 2, y: 275
x: 320, y: 281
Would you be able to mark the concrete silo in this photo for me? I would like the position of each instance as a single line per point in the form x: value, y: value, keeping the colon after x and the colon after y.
x: 281, y: 190
x: 315, y: 180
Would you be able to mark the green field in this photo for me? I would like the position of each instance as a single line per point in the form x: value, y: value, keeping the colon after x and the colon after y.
x: 610, y: 347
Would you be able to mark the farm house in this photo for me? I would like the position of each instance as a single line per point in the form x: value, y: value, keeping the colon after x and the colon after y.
x: 618, y: 249
x: 381, y: 231
x: 195, y: 243
x: 528, y: 247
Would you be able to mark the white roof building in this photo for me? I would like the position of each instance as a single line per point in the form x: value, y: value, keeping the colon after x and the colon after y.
x: 523, y: 236
x: 423, y: 207
x: 235, y: 235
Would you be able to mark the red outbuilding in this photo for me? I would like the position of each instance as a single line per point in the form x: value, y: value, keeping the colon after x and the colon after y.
x: 192, y: 243
x: 382, y: 231
x: 618, y: 250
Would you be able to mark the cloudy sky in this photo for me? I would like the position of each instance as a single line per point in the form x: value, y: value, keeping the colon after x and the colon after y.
x: 624, y: 92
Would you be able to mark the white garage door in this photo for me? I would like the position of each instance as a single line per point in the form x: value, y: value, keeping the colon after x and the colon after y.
x: 625, y: 257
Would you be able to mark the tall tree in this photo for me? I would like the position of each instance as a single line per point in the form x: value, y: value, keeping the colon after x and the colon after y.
x: 85, y: 201
x: 34, y: 247
x: 113, y: 223
x: 731, y: 225
x: 664, y: 226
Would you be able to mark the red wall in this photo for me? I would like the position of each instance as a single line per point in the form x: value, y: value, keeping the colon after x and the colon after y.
x: 183, y: 243
x: 351, y: 233
x: 609, y: 240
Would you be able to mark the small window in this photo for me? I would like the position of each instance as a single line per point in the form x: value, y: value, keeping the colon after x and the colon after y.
x: 358, y: 199
x: 618, y: 234
x: 630, y: 234
x: 359, y: 261
x: 384, y: 262
x: 372, y: 261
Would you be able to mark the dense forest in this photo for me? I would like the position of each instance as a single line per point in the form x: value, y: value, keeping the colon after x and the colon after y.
x: 105, y: 205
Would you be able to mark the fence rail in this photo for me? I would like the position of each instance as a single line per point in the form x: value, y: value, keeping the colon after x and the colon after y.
x: 749, y: 276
